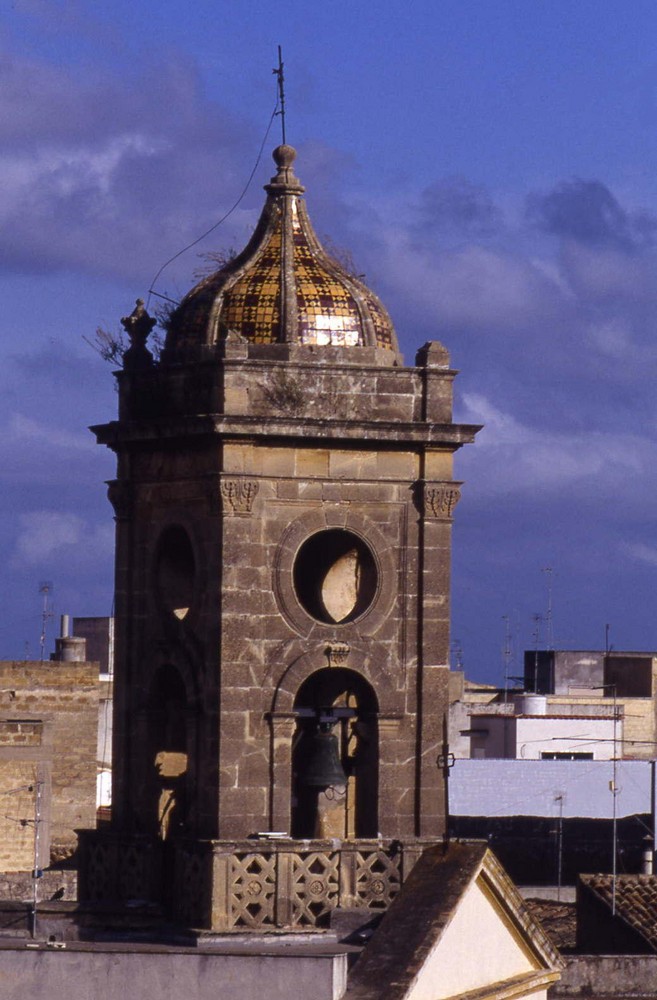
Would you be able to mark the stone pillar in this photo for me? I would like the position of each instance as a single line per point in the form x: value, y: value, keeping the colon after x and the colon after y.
x: 282, y: 726
x: 439, y: 499
x: 395, y: 789
x: 121, y: 495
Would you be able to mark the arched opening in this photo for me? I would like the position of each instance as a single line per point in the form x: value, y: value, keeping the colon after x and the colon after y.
x: 175, y: 571
x: 335, y: 576
x: 335, y: 757
x: 168, y: 752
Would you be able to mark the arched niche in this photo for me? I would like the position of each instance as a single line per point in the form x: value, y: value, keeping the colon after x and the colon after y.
x: 175, y: 571
x: 361, y: 658
x: 168, y: 752
x: 342, y: 701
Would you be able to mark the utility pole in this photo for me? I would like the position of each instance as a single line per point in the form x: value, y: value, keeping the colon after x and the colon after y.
x: 559, y: 798
x: 614, y: 829
x: 37, y: 873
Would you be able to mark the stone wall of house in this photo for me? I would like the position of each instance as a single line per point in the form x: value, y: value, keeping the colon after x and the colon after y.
x: 48, y: 734
x: 21, y: 767
x: 638, y: 727
x: 638, y: 715
x: 607, y: 976
x: 76, y: 972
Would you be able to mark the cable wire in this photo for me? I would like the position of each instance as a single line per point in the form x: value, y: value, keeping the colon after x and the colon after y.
x: 189, y: 246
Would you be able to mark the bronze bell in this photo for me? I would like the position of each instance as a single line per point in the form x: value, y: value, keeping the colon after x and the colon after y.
x: 323, y: 768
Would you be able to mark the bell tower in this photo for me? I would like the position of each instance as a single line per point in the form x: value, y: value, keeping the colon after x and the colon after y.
x: 283, y: 502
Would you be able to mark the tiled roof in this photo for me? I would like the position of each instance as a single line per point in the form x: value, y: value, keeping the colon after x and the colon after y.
x: 283, y: 287
x: 636, y: 900
x: 558, y: 920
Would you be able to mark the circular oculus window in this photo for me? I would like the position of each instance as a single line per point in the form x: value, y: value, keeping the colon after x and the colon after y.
x: 335, y: 576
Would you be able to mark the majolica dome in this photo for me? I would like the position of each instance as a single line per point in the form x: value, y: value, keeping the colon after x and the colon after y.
x: 283, y: 287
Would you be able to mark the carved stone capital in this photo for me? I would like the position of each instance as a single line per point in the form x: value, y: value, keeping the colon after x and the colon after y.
x: 337, y: 653
x: 238, y: 495
x: 282, y: 724
x: 440, y: 499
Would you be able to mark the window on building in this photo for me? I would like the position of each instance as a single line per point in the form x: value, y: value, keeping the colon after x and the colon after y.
x: 565, y: 755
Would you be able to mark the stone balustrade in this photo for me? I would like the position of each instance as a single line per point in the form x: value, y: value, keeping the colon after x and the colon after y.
x: 255, y: 884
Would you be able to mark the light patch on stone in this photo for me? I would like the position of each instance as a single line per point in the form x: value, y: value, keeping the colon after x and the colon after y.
x: 341, y: 585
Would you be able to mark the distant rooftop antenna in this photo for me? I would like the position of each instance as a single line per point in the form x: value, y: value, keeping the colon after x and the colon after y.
x: 537, y: 619
x: 549, y: 631
x: 281, y: 91
x: 457, y: 651
x: 45, y: 589
x: 507, y: 653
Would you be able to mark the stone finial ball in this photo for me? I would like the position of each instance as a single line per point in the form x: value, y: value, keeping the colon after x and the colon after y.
x: 284, y: 156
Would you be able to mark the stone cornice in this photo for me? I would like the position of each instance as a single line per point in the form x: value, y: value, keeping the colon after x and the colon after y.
x: 451, y: 436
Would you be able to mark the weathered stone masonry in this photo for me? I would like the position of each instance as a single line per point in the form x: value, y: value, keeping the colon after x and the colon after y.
x: 283, y: 501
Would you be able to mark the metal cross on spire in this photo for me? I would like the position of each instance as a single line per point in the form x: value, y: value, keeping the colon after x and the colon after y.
x: 281, y: 91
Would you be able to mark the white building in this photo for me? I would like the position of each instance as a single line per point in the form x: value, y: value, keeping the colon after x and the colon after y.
x: 533, y: 734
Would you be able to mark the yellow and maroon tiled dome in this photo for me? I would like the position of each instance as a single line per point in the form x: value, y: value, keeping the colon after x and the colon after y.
x: 283, y: 287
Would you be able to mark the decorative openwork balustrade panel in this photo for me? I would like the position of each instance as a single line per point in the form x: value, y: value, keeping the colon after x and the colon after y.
x: 315, y: 883
x: 115, y: 867
x: 100, y: 870
x: 378, y: 878
x: 289, y: 885
x: 192, y: 886
x: 246, y: 885
x: 253, y: 890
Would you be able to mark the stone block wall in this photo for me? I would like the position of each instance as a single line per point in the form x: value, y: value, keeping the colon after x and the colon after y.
x: 226, y: 470
x: 600, y: 975
x: 48, y: 733
x: 18, y: 781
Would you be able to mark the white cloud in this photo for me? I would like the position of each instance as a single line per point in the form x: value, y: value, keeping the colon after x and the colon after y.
x: 471, y: 285
x: 45, y: 533
x: 641, y: 552
x: 603, y: 274
x: 25, y: 430
x: 59, y: 171
x: 499, y: 428
x: 512, y: 457
x: 94, y: 161
x: 612, y: 336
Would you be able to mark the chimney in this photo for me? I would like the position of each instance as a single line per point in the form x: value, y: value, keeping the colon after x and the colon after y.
x: 68, y: 648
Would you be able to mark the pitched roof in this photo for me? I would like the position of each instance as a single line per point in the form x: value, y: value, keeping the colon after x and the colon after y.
x: 636, y: 901
x: 424, y: 908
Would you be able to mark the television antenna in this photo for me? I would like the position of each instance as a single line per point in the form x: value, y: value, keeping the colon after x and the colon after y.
x: 549, y: 628
x: 507, y: 654
x: 45, y: 589
x: 536, y: 633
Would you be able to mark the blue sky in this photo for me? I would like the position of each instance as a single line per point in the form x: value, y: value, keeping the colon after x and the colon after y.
x: 491, y: 166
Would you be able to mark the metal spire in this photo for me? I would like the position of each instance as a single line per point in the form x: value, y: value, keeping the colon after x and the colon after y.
x: 281, y: 91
